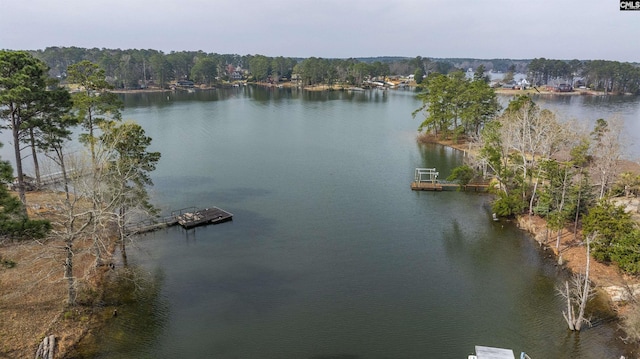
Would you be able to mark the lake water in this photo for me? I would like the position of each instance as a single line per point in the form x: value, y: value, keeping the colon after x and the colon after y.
x: 330, y: 254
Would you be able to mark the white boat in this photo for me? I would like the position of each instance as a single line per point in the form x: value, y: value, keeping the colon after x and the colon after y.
x: 483, y: 352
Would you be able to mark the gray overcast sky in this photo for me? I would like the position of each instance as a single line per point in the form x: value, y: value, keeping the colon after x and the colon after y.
x: 517, y: 29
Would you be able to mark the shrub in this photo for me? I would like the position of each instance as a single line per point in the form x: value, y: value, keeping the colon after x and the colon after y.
x: 625, y: 252
x: 25, y: 228
x: 7, y: 263
x: 508, y: 205
x: 463, y: 175
x: 612, y: 224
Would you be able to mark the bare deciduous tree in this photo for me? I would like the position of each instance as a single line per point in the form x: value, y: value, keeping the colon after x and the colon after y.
x: 578, y: 293
x: 73, y: 218
x: 531, y: 133
x: 609, y: 139
x: 106, y: 187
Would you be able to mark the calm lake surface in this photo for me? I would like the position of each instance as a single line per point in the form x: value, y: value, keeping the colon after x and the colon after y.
x: 330, y: 254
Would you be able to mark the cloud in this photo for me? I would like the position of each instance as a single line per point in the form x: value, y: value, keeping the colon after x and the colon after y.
x: 330, y: 28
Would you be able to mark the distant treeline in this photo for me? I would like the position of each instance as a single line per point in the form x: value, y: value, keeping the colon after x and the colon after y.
x: 127, y: 69
x: 601, y: 75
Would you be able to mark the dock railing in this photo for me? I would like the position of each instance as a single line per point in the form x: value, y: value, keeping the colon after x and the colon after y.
x: 429, y: 175
x: 150, y: 224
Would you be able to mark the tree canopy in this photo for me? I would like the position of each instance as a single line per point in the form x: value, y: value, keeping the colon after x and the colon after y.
x: 560, y: 171
x: 22, y: 87
x: 93, y: 104
x: 453, y: 104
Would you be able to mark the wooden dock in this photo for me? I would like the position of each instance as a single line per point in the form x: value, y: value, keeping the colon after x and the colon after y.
x: 188, y: 218
x: 426, y: 179
x: 443, y: 186
x: 150, y: 225
x: 201, y: 217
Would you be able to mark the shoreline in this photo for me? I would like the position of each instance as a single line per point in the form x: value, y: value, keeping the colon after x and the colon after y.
x: 547, y: 92
x: 344, y: 87
x: 614, y: 291
x: 571, y: 254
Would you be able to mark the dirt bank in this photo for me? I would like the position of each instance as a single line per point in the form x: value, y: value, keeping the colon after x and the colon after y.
x: 571, y: 253
x: 33, y: 289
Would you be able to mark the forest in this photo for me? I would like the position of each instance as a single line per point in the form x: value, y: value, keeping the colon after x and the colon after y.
x: 134, y: 69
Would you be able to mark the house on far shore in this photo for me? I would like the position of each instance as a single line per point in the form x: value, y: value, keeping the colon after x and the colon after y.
x: 185, y: 83
x: 564, y: 88
x: 235, y: 73
x: 510, y: 85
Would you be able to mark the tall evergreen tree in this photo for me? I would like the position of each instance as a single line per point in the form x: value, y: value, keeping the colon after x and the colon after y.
x: 129, y: 164
x: 160, y: 69
x: 93, y: 103
x: 22, y: 84
x: 449, y: 101
x: 54, y: 130
x: 480, y: 106
x: 49, y: 106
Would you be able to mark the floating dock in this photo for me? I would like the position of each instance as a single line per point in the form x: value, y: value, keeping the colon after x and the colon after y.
x: 187, y: 217
x: 201, y: 217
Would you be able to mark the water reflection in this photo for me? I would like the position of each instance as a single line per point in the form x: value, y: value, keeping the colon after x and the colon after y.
x: 260, y: 94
